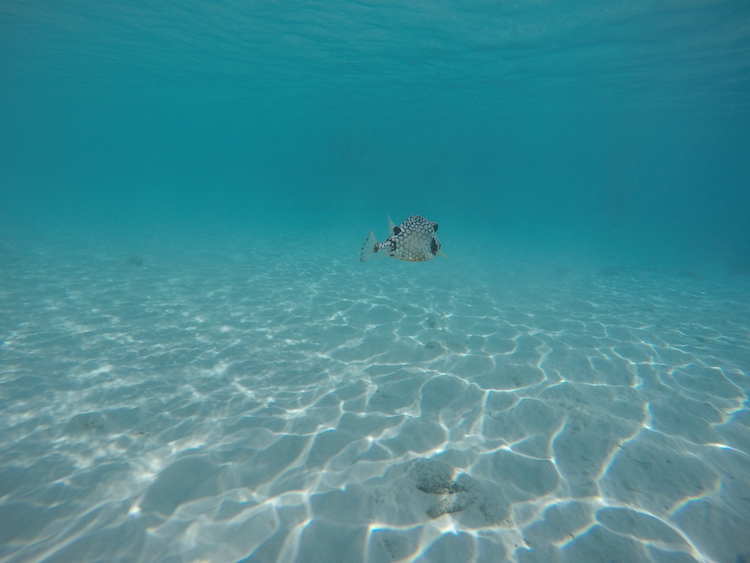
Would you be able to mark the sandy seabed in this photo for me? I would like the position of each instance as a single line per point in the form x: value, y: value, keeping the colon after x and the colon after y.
x: 277, y: 401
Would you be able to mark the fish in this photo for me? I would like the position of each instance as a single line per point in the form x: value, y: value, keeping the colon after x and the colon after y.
x: 414, y: 240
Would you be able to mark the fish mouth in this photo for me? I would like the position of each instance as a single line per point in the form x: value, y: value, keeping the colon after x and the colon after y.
x: 434, y: 246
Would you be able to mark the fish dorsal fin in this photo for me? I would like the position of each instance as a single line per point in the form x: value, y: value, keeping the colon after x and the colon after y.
x: 391, y: 224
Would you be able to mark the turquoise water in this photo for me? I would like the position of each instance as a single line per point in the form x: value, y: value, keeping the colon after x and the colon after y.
x: 608, y: 122
x: 195, y: 365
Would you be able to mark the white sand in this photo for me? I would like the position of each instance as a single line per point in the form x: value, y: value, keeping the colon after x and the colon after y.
x: 276, y: 402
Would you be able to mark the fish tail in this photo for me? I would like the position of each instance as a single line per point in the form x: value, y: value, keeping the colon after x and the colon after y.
x: 369, y: 247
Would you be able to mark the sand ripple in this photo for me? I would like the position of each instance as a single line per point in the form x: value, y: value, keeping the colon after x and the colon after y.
x: 231, y: 405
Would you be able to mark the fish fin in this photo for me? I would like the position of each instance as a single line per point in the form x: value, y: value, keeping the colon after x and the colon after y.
x: 441, y: 254
x: 369, y: 247
x: 391, y: 224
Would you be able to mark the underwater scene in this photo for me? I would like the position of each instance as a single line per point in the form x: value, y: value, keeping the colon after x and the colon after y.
x: 292, y: 281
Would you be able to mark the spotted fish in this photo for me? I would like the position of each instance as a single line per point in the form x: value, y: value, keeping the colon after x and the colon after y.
x: 413, y: 241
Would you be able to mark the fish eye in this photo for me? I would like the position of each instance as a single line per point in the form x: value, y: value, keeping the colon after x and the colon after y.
x: 396, y: 230
x: 435, y: 226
